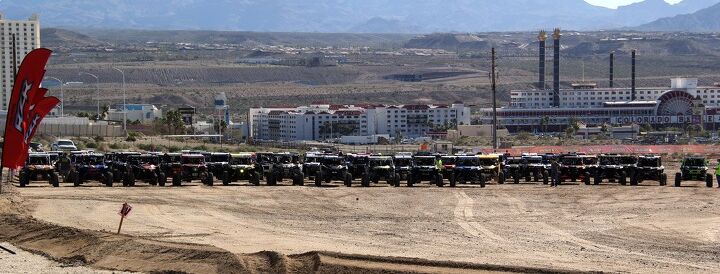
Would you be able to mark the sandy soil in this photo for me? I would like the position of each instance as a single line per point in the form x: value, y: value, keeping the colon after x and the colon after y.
x: 26, y: 262
x: 575, y: 227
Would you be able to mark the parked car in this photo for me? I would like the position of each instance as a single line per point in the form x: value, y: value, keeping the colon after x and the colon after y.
x: 63, y: 145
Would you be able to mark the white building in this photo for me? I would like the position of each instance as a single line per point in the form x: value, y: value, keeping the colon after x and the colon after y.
x: 144, y: 113
x: 26, y: 34
x: 322, y: 122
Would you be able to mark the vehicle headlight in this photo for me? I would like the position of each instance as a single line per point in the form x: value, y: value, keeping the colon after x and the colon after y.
x: 242, y: 171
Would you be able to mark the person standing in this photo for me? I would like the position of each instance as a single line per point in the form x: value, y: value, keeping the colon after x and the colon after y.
x: 717, y: 172
x: 555, y: 172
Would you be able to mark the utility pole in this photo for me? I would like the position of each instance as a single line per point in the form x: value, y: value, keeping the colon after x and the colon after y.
x: 494, y: 103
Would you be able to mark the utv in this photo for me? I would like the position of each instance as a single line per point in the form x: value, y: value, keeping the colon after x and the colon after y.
x: 381, y: 167
x: 693, y: 169
x: 333, y: 168
x: 241, y: 167
x: 649, y: 168
x: 89, y: 166
x: 357, y: 164
x: 448, y: 164
x: 193, y: 168
x: 217, y: 163
x: 311, y: 164
x: 610, y: 169
x: 170, y: 165
x: 403, y: 165
x: 468, y: 169
x: 39, y: 167
x: 424, y: 168
x: 572, y: 168
x: 285, y: 166
x: 491, y: 168
x: 117, y: 163
x: 146, y: 168
x: 515, y: 167
x: 536, y: 169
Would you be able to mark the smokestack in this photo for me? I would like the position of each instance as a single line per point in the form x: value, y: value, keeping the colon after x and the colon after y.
x: 612, y: 69
x: 632, y: 76
x: 556, y: 67
x: 541, y: 71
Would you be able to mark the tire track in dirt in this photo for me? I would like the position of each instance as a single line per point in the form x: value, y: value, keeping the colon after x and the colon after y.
x: 595, y: 246
x: 464, y: 217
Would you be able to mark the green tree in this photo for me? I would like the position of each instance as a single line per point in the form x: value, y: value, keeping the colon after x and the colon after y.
x: 544, y: 122
x: 646, y: 128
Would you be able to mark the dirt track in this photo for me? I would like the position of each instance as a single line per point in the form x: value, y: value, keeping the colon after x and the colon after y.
x: 575, y: 227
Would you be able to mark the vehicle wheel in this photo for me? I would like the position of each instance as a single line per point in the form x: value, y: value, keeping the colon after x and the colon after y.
x: 365, y: 181
x: 348, y: 179
x: 622, y: 179
x: 439, y: 182
x: 162, y: 179
x: 634, y: 181
x: 678, y: 179
x: 75, y: 178
x: 708, y: 180
x: 153, y: 180
x: 209, y: 179
x: 396, y: 181
x: 130, y: 177
x: 176, y: 181
x: 597, y: 180
x: 24, y: 179
x: 299, y: 179
x: 516, y: 179
x: 255, y: 179
x: 536, y: 177
x: 663, y: 179
x: 410, y: 181
x: 482, y: 183
x: 271, y: 181
x: 54, y: 179
x: 528, y: 178
x: 546, y: 178
x: 109, y: 179
x: 586, y: 179
x: 318, y: 180
x: 453, y: 182
x: 501, y: 178
x: 226, y: 178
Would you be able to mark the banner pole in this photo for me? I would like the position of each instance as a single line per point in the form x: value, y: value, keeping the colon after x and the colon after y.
x: 121, y: 221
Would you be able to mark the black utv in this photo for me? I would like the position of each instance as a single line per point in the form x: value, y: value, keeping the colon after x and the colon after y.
x: 381, y: 168
x: 468, y: 169
x: 424, y: 168
x: 693, y: 169
x: 515, y: 168
x: 649, y: 167
x: 611, y: 169
x: 403, y: 165
x: 572, y: 167
x: 285, y: 166
x: 333, y: 168
x: 536, y: 169
x: 241, y: 167
x: 357, y: 164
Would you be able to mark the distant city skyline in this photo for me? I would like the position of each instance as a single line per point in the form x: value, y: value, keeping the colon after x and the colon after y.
x: 616, y: 3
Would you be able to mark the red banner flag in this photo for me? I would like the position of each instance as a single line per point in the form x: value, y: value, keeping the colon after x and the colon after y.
x: 26, y: 109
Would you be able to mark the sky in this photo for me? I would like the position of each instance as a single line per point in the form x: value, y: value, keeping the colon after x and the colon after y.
x: 615, y: 3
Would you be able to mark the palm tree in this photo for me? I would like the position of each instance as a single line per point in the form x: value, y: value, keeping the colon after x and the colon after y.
x: 544, y: 123
x: 104, y: 113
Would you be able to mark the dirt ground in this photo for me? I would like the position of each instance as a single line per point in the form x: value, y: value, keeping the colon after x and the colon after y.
x: 612, y: 228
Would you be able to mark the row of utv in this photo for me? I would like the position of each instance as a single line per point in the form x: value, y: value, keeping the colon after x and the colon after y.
x: 321, y: 168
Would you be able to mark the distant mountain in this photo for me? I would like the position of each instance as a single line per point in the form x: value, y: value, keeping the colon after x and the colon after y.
x: 705, y: 20
x: 406, y: 16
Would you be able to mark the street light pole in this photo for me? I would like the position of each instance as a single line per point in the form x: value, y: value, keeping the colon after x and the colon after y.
x: 124, y: 100
x: 97, y: 90
x: 62, y: 95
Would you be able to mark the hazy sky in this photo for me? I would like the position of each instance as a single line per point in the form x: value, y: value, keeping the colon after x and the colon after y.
x: 616, y: 3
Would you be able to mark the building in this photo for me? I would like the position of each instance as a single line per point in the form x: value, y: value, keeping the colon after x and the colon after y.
x: 143, y: 113
x: 25, y: 36
x: 323, y: 122
x: 681, y: 103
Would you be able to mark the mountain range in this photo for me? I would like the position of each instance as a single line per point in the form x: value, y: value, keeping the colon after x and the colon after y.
x: 371, y: 16
x: 705, y: 20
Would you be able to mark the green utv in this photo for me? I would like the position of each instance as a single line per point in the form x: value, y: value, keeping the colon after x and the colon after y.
x: 241, y: 167
x: 693, y: 169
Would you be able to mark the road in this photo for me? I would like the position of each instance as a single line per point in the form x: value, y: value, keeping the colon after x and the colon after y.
x: 609, y: 227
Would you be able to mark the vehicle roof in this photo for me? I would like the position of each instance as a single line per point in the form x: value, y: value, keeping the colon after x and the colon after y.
x: 381, y: 157
x: 39, y: 154
x: 488, y: 156
x: 190, y: 155
x: 649, y: 156
x: 173, y: 154
x: 402, y: 157
x: 238, y: 155
x: 220, y: 153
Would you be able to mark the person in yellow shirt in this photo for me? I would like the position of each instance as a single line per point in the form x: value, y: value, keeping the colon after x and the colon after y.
x: 717, y: 173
